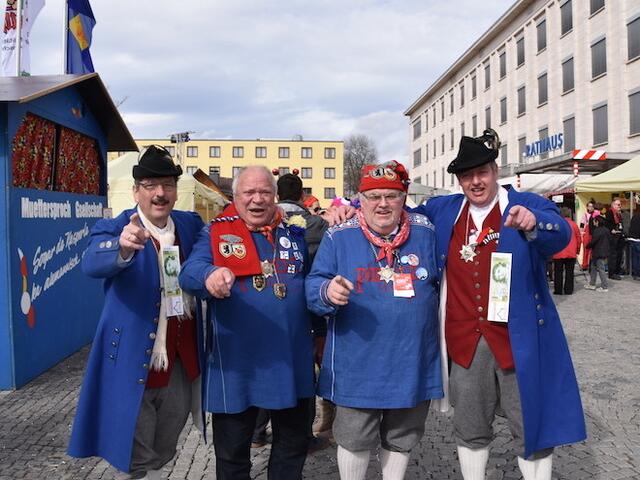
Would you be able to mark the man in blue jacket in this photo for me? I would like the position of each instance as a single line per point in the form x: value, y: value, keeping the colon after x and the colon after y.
x: 137, y: 390
x: 502, y: 330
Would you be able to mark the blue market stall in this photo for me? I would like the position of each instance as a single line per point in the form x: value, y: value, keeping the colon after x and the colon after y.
x: 55, y: 132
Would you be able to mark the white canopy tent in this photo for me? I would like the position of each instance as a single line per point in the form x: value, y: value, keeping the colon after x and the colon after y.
x: 192, y: 195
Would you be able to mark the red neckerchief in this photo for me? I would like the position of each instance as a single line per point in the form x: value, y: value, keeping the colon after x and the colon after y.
x: 386, y: 247
x: 268, y: 230
x: 617, y: 217
x: 232, y: 245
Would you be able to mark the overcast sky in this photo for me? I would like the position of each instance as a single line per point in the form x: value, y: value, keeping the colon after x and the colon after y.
x: 247, y: 69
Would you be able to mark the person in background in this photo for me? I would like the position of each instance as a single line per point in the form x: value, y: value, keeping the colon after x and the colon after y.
x: 564, y: 261
x: 599, y: 246
x: 585, y: 227
x: 634, y: 240
x: 137, y: 390
x: 616, y: 229
x: 312, y: 204
x: 249, y: 265
x: 376, y: 277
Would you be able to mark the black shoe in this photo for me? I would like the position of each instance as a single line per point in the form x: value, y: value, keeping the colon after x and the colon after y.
x: 615, y: 277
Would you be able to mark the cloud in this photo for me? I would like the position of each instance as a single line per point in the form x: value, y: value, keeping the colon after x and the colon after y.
x: 271, y: 68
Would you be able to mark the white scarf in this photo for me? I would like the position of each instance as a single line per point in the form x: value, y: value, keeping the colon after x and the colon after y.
x: 166, y: 237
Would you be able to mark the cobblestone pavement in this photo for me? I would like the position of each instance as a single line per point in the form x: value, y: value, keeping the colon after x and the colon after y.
x: 603, y: 330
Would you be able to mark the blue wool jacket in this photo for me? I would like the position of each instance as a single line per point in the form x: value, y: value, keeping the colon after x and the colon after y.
x: 115, y: 377
x: 551, y: 406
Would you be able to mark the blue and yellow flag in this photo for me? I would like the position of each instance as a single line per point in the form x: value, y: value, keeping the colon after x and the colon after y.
x: 79, y: 28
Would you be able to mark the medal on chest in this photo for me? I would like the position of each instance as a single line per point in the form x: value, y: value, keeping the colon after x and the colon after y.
x: 280, y: 290
x: 468, y: 252
x: 386, y: 273
x: 267, y: 268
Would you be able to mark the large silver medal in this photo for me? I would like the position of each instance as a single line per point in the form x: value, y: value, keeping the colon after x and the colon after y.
x: 386, y: 273
x: 468, y: 252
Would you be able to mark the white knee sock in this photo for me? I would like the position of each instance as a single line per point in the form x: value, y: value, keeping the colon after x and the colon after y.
x: 473, y: 462
x: 352, y: 465
x: 536, y: 469
x: 393, y: 464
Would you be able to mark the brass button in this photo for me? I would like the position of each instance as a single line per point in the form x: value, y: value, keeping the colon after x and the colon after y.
x: 148, y: 351
x: 478, y: 297
x: 477, y: 330
x: 480, y: 309
x: 141, y: 381
x: 114, y: 344
x: 477, y: 285
x: 155, y: 320
x: 116, y: 330
x: 145, y: 366
x: 536, y: 296
x: 538, y: 307
x: 541, y: 322
x: 476, y: 274
x: 112, y: 356
x: 152, y: 336
x: 480, y: 319
x: 476, y: 263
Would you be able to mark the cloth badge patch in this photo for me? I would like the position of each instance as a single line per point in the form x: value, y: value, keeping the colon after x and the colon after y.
x: 232, y: 245
x: 284, y: 255
x: 294, y: 245
x: 422, y: 273
x: 285, y: 242
x: 291, y: 269
x: 297, y: 256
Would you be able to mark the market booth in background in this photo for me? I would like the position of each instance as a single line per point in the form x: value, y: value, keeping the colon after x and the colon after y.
x: 194, y: 195
x: 55, y: 133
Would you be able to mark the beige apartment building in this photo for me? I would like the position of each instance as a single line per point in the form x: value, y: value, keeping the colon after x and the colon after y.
x: 318, y: 163
x: 550, y: 77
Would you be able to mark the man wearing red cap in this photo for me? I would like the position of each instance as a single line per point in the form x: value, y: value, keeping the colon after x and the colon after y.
x: 375, y: 276
x: 502, y: 329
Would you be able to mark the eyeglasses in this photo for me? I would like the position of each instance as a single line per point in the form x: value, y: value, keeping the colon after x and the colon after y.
x: 152, y: 186
x: 316, y: 210
x: 389, y: 197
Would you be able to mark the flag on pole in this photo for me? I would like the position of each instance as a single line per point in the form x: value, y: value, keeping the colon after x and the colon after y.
x: 8, y: 50
x: 79, y: 27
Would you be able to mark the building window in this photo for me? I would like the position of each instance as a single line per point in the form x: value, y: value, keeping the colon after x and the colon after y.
x: 569, y: 131
x: 329, y: 172
x: 426, y: 153
x: 633, y: 39
x: 235, y: 171
x: 474, y: 126
x: 329, y: 152
x: 442, y: 177
x: 599, y: 58
x: 451, y: 103
x: 434, y: 148
x: 442, y: 144
x: 191, y: 169
x: 567, y: 75
x: 306, y: 152
x: 541, y: 30
x: 474, y: 89
x: 451, y: 179
x: 503, y: 64
x: 487, y: 117
x: 307, y: 172
x: 600, y: 125
x: 543, y: 133
x: 237, y: 152
x: 462, y: 129
x: 171, y: 149
x: 542, y: 89
x: 192, y: 151
x: 503, y: 110
x: 417, y: 129
x: 442, y: 110
x: 426, y: 120
x: 307, y: 190
x: 520, y: 51
x: 214, y: 152
x: 434, y: 114
x: 503, y: 155
x: 283, y: 171
x: 522, y: 145
x: 426, y: 179
x: 487, y: 75
x: 283, y: 152
x: 329, y: 193
x: 566, y: 17
x: 461, y: 95
x: 522, y: 101
x: 452, y: 140
x: 214, y: 171
x: 596, y: 5
x: 417, y: 158
x: 417, y: 180
x: 261, y: 152
x: 634, y: 113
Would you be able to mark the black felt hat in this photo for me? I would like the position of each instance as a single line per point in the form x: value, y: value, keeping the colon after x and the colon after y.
x: 474, y: 152
x: 156, y: 162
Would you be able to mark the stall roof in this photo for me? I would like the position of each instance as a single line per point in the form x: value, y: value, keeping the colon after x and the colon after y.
x: 564, y: 164
x: 624, y: 178
x: 93, y: 91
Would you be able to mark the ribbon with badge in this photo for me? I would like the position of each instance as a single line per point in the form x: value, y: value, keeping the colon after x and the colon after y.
x: 170, y: 272
x: 499, y: 287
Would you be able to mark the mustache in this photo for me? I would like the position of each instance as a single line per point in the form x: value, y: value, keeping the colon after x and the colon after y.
x: 159, y: 200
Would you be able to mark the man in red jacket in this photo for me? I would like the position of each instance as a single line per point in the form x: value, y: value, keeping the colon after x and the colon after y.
x: 564, y: 261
